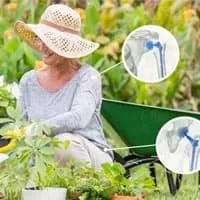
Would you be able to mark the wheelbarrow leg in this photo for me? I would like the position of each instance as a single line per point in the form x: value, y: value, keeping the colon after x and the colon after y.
x: 153, y: 172
x: 199, y: 179
x: 171, y: 184
x: 128, y: 173
x: 178, y: 181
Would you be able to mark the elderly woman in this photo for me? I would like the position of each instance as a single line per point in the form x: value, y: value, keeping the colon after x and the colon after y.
x: 64, y: 92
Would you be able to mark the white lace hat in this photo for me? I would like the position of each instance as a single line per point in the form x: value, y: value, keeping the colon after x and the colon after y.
x: 59, y: 28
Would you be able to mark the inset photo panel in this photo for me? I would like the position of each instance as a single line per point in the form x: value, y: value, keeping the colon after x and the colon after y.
x: 178, y: 145
x: 150, y: 53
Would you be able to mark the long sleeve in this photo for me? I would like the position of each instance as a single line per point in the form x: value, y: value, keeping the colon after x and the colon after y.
x: 86, y: 99
x: 21, y: 101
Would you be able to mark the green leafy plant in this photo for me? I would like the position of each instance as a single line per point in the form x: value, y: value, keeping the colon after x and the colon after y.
x: 84, y: 183
x: 29, y: 157
x: 31, y: 161
x: 7, y: 98
x: 180, y: 90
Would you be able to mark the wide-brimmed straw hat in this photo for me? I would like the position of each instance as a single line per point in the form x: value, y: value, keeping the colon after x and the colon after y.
x: 59, y: 28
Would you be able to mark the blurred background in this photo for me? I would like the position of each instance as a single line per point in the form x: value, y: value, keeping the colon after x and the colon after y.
x: 109, y: 22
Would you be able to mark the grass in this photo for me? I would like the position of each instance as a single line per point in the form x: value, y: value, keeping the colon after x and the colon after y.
x: 189, y: 189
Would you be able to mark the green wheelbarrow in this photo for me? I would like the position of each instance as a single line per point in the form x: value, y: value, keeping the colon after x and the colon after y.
x: 139, y: 125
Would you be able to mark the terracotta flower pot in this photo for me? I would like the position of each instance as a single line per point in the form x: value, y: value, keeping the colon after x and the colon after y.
x: 75, y: 197
x: 116, y: 197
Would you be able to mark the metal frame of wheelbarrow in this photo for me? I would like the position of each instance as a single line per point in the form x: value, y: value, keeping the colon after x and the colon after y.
x: 137, y: 125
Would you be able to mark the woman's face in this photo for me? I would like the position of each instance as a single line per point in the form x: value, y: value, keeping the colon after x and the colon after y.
x: 48, y: 56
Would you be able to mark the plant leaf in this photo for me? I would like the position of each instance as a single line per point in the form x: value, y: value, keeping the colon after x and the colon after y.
x: 47, y: 151
x: 11, y: 112
x: 5, y: 120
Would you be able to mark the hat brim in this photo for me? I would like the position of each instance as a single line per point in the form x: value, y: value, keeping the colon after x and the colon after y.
x: 65, y: 44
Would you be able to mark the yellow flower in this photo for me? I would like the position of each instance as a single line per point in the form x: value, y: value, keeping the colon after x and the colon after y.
x: 81, y: 12
x: 16, y: 134
x: 103, y: 39
x: 8, y: 35
x: 189, y: 13
x: 108, y: 5
x: 127, y: 1
x: 12, y: 6
x: 112, y: 50
x: 108, y: 19
x: 39, y: 64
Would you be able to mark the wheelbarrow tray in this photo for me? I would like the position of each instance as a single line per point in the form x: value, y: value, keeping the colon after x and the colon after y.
x: 139, y: 124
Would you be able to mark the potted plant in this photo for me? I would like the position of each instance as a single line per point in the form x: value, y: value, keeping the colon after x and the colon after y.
x: 31, y: 155
x: 108, y: 183
x: 132, y: 188
x: 42, y: 156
